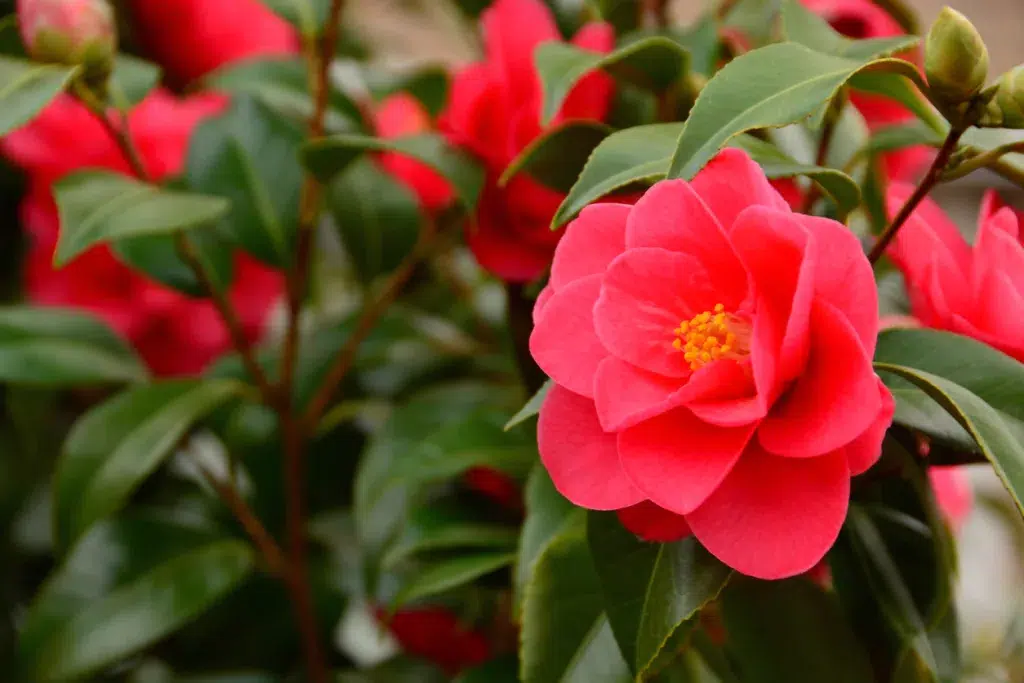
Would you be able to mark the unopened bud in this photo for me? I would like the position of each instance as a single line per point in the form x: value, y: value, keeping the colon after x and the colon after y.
x: 955, y: 58
x: 69, y: 31
x: 1006, y: 109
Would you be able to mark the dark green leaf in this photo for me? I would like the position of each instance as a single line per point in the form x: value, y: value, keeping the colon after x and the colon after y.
x: 531, y: 408
x: 547, y: 514
x: 133, y: 79
x: 790, y: 632
x: 10, y: 36
x: 332, y: 155
x: 307, y: 15
x: 26, y: 87
x: 445, y: 527
x: 248, y: 156
x: 114, y: 447
x: 803, y: 26
x: 377, y: 217
x: 58, y: 347
x: 448, y: 574
x: 652, y: 591
x: 556, y: 157
x: 895, y: 87
x: 429, y: 86
x: 566, y: 637
x: 498, y: 670
x: 281, y: 84
x: 101, y: 206
x: 157, y: 256
x: 653, y: 63
x: 769, y: 87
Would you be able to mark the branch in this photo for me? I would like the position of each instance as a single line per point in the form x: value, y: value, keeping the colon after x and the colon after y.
x: 982, y: 160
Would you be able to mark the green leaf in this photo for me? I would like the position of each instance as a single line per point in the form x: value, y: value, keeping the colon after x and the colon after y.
x: 547, y: 514
x: 803, y: 26
x: 377, y: 217
x: 556, y: 157
x: 532, y: 407
x: 565, y: 636
x: 448, y: 574
x: 899, y: 136
x: 115, y: 446
x: 306, y: 15
x: 652, y: 591
x: 281, y: 83
x: 332, y: 155
x: 653, y: 63
x: 140, y: 613
x: 769, y: 87
x: 26, y: 87
x: 429, y: 86
x: 498, y: 670
x: 133, y: 79
x: 101, y: 206
x: 790, y: 632
x: 998, y: 437
x: 895, y: 87
x: 158, y: 257
x: 446, y: 527
x: 248, y: 156
x: 55, y: 347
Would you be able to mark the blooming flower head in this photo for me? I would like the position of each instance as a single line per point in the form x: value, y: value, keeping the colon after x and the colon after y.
x: 175, y: 334
x: 191, y: 38
x: 436, y: 635
x: 711, y: 352
x: 494, y: 112
x: 399, y: 115
x: 959, y: 287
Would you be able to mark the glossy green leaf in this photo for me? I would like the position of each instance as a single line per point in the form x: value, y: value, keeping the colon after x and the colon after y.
x: 803, y: 26
x: 896, y: 87
x: 998, y: 436
x: 547, y: 514
x: 158, y: 257
x: 115, y: 446
x: 26, y: 87
x: 790, y: 632
x: 377, y: 217
x: 566, y: 637
x: 135, y: 615
x: 281, y: 83
x: 531, y: 408
x: 133, y: 79
x: 55, y: 347
x: 653, y: 63
x: 448, y: 574
x: 248, y: 156
x: 556, y: 157
x: 769, y: 87
x: 332, y: 155
x: 653, y: 592
x: 100, y: 206
x: 448, y: 526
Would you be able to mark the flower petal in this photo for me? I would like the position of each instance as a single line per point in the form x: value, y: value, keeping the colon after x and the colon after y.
x: 564, y: 343
x: 625, y: 394
x: 724, y: 394
x: 833, y: 402
x: 655, y: 524
x: 592, y: 96
x: 512, y: 31
x: 590, y: 243
x: 580, y: 457
x: 864, y: 451
x: 732, y: 182
x: 677, y: 460
x: 774, y: 517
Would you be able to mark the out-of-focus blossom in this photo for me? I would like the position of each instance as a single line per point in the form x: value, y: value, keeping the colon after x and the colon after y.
x: 436, y: 635
x: 953, y: 494
x: 399, y: 115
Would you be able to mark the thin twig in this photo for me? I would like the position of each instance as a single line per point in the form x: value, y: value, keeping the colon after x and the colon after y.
x: 929, y: 181
x: 828, y: 130
x: 983, y: 160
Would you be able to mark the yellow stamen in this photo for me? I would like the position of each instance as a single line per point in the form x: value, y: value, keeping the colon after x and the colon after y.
x: 706, y: 337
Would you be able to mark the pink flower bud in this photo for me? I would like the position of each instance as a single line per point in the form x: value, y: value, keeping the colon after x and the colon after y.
x: 68, y: 31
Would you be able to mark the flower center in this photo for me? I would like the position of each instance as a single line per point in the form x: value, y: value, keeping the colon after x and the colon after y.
x: 709, y: 336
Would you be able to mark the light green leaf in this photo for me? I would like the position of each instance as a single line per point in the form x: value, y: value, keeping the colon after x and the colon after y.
x: 803, y: 26
x: 652, y: 591
x: 448, y: 574
x: 115, y: 446
x: 26, y: 87
x: 769, y: 87
x: 133, y: 79
x: 556, y: 157
x: 896, y: 87
x: 531, y: 408
x: 332, y: 155
x: 57, y: 347
x: 652, y: 63
x: 100, y: 206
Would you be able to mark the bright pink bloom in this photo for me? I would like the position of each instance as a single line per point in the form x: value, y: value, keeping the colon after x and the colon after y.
x: 711, y: 351
x: 191, y: 38
x: 953, y: 494
x: 436, y: 635
x: 958, y: 287
x: 494, y: 112
x: 399, y: 115
x: 176, y: 335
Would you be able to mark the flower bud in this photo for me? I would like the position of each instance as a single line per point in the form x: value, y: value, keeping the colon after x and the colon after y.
x: 69, y: 31
x: 955, y: 58
x: 1009, y: 99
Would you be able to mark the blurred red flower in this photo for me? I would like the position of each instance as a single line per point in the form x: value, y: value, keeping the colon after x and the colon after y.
x: 436, y: 635
x: 399, y: 115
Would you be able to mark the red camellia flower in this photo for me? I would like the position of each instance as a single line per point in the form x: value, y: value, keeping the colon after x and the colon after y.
x: 954, y: 286
x: 711, y: 352
x: 436, y: 635
x: 494, y: 112
x: 399, y: 115
x: 176, y: 335
x: 953, y: 494
x: 190, y: 38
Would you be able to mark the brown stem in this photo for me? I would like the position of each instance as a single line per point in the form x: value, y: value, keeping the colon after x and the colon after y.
x: 828, y: 130
x: 927, y: 183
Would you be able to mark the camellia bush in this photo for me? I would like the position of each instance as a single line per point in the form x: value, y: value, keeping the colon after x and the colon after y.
x: 628, y: 351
